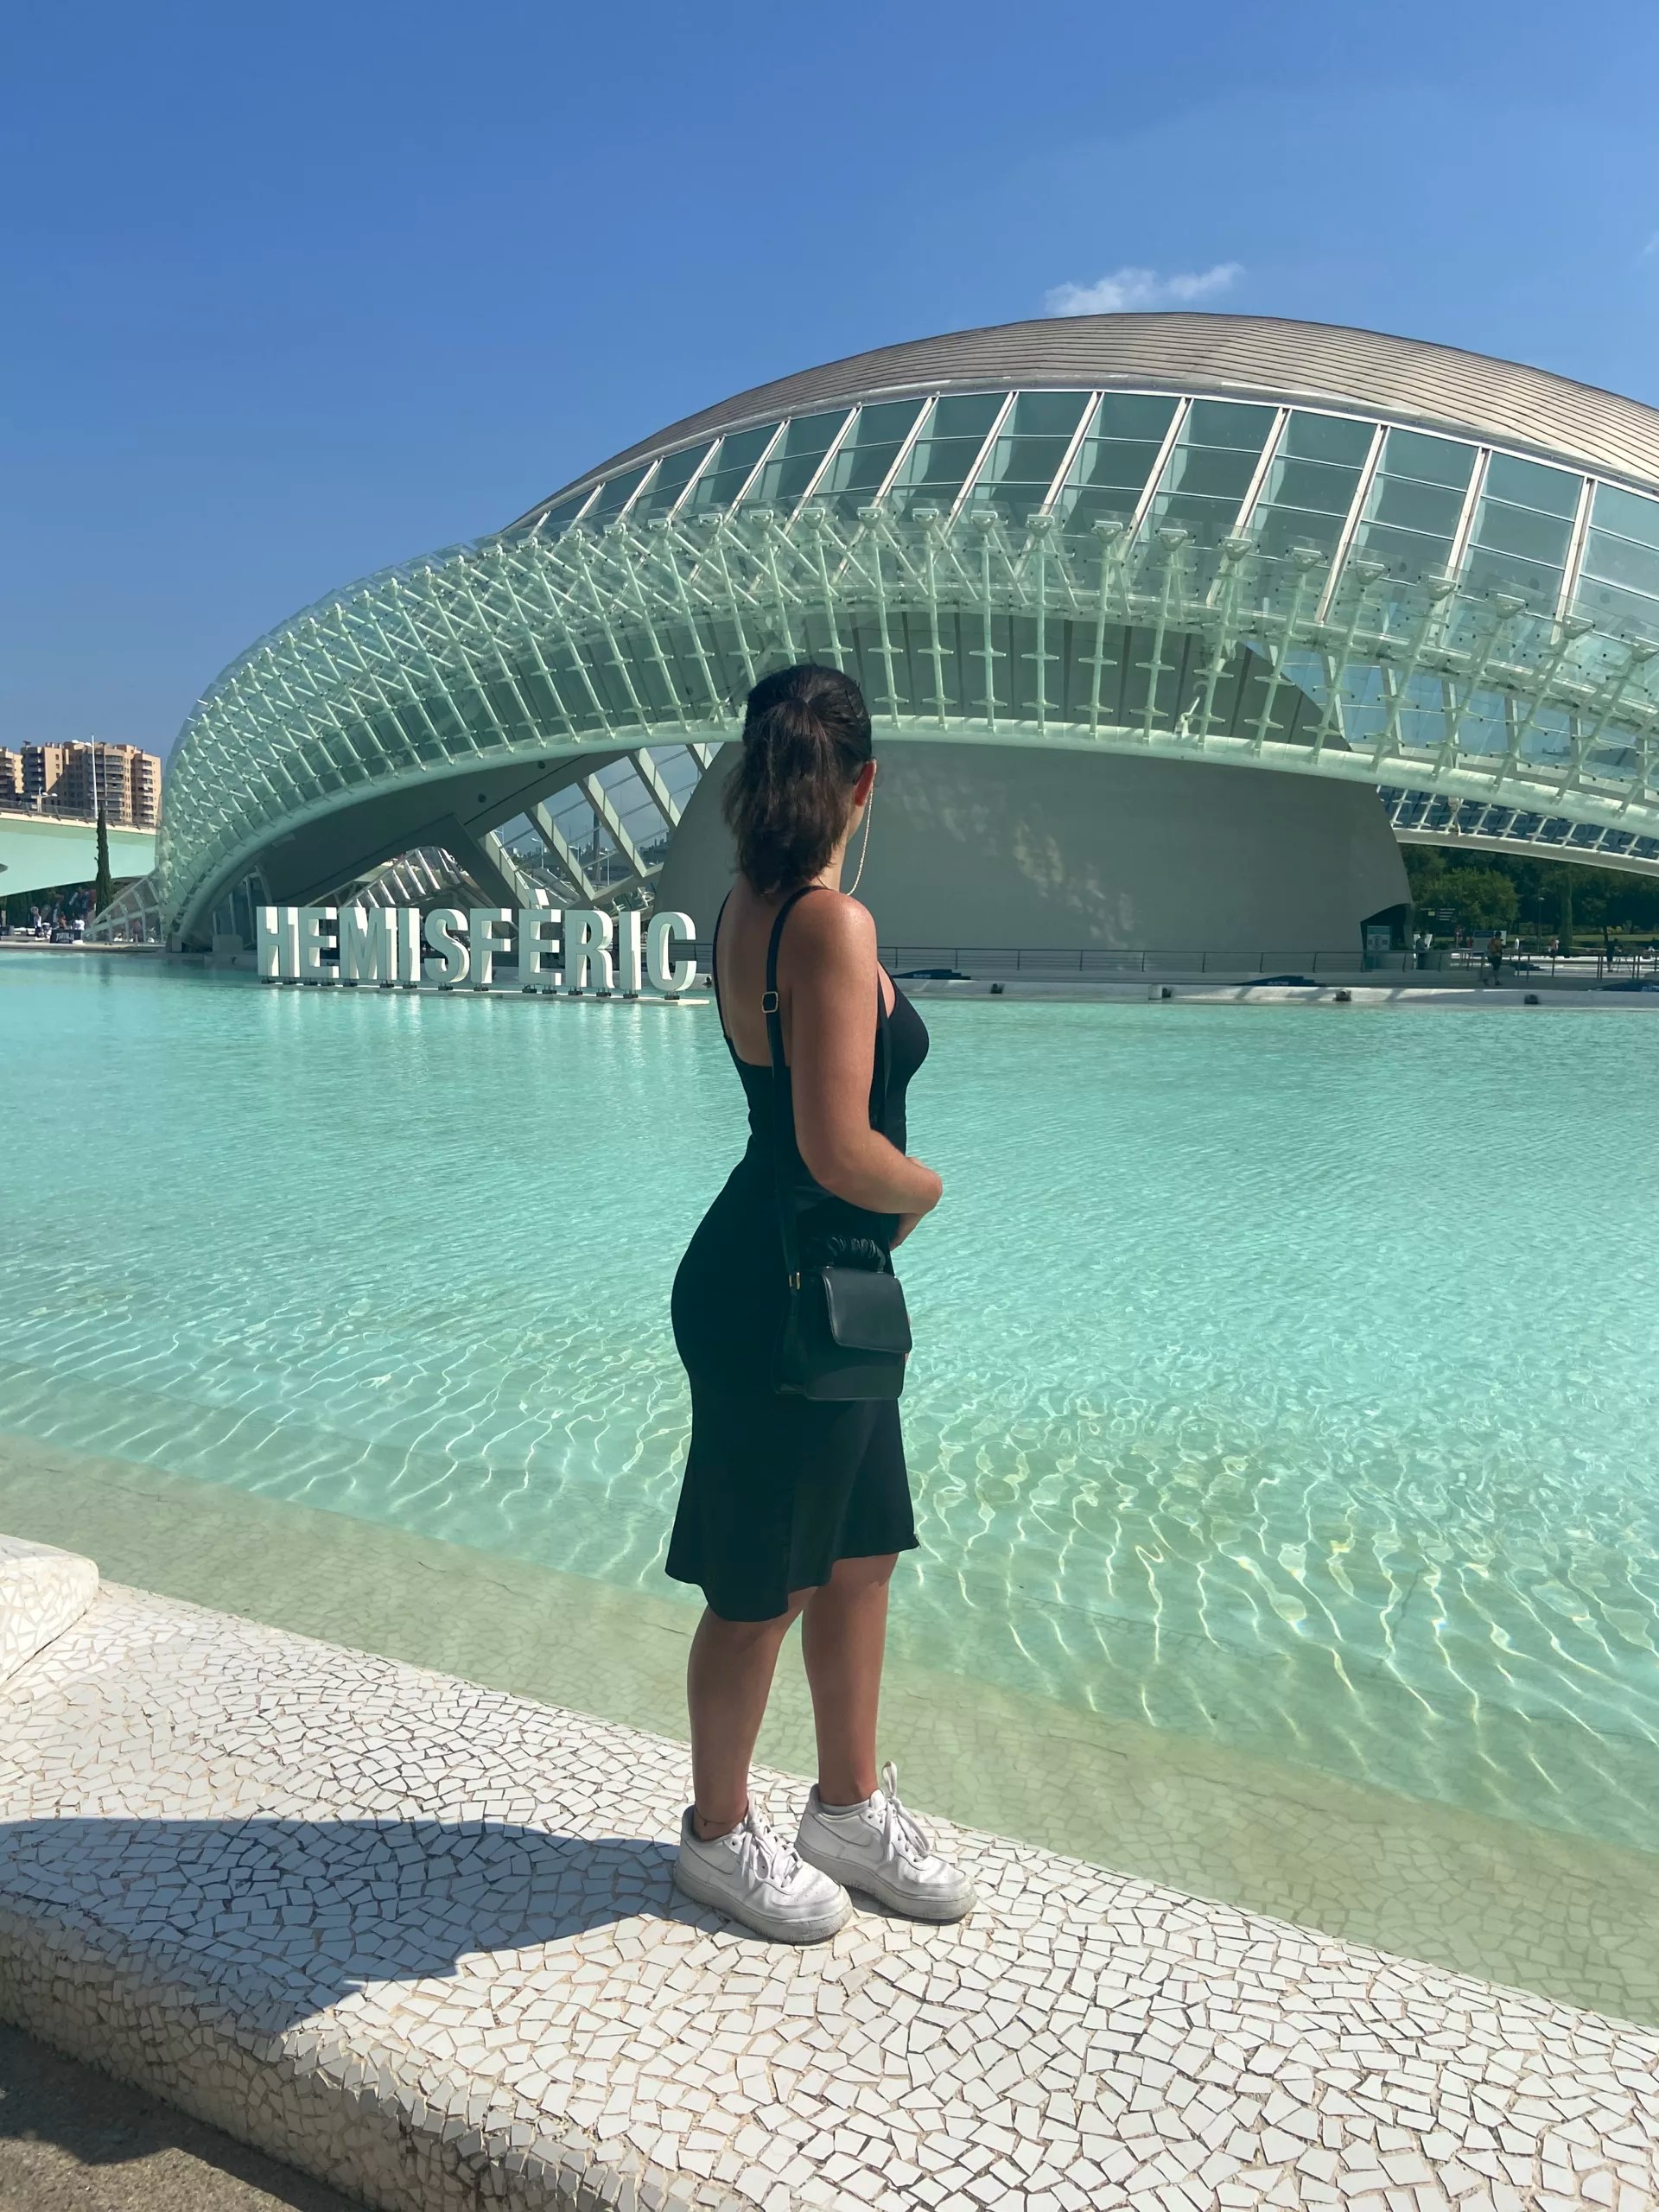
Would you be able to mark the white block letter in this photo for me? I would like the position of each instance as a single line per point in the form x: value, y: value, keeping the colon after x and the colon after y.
x: 368, y: 944
x: 316, y: 937
x: 588, y: 945
x: 665, y: 972
x: 278, y: 937
x: 485, y: 924
x: 409, y: 946
x: 538, y: 936
x: 443, y: 927
x: 629, y: 956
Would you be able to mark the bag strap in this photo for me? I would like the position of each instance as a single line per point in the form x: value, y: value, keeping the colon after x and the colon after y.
x: 781, y: 1105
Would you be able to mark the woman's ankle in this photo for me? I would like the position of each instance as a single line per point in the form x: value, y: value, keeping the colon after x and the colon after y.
x: 708, y: 1829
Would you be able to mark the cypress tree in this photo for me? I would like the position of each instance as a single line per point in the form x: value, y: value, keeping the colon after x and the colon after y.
x: 103, y: 889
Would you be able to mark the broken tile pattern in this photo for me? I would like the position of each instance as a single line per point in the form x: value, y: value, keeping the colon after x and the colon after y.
x: 418, y: 1937
x: 42, y: 1591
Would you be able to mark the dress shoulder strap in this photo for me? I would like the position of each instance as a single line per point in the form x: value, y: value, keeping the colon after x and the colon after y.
x: 769, y: 1002
x: 769, y: 1006
x: 713, y: 964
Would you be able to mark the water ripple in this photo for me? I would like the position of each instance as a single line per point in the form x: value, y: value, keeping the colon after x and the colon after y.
x: 1281, y: 1380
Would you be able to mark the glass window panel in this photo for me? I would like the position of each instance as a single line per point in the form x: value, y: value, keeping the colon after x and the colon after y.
x: 1432, y: 508
x: 1334, y: 438
x: 1306, y: 499
x: 1628, y: 614
x: 615, y: 492
x: 1619, y: 561
x: 671, y: 480
x: 1210, y: 471
x: 1411, y: 514
x: 938, y: 464
x: 1310, y: 484
x: 966, y: 415
x: 795, y: 460
x: 1116, y: 459
x: 1430, y: 460
x: 1504, y: 529
x: 1028, y: 452
x: 1225, y: 422
x: 1627, y: 512
x: 1486, y: 571
x: 560, y: 517
x: 860, y: 466
x: 1408, y: 553
x: 725, y: 477
x: 1529, y: 484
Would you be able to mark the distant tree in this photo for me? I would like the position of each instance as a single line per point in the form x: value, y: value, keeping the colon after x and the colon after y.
x: 1488, y: 891
x: 103, y: 888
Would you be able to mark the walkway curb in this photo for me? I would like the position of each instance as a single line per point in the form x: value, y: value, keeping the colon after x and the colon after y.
x: 419, y: 1939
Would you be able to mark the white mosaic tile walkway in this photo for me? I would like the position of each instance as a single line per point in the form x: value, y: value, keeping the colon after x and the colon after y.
x: 417, y: 1937
x: 42, y: 1591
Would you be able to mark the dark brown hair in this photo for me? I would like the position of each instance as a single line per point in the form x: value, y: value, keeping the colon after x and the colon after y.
x: 806, y: 734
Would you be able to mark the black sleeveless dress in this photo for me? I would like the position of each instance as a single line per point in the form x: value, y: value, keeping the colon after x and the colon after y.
x: 777, y: 1488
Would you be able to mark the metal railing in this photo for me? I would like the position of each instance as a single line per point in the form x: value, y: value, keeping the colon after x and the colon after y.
x: 1093, y: 960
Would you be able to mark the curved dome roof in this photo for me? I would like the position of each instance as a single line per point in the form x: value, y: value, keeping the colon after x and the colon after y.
x: 1404, y: 380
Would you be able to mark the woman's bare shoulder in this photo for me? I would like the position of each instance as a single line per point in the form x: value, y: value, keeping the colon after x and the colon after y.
x: 833, y: 928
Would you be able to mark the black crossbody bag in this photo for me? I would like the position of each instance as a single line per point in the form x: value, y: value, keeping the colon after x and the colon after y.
x: 847, y: 1333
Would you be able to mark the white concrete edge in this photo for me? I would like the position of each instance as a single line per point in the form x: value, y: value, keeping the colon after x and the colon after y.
x: 43, y: 1591
x: 342, y: 2115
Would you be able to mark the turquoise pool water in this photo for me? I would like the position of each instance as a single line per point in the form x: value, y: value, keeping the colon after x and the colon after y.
x: 1286, y: 1377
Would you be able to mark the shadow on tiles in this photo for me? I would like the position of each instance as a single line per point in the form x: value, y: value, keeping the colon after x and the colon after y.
x: 284, y: 1918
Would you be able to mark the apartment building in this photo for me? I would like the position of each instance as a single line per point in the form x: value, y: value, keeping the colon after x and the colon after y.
x: 73, y: 778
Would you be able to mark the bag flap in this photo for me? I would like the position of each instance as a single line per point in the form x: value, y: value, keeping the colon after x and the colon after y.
x: 866, y: 1310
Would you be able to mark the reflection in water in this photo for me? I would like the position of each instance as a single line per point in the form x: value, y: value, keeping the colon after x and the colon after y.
x: 1284, y: 1379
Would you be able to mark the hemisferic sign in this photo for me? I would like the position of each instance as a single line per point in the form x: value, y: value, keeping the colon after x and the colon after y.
x: 574, y: 950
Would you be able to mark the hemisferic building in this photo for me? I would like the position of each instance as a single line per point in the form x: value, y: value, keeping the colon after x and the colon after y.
x: 1172, y: 627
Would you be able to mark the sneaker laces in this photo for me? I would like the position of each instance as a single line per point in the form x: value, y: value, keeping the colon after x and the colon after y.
x: 764, y: 1851
x: 899, y: 1827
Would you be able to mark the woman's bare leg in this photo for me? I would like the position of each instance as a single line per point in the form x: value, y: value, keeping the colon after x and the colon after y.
x: 843, y: 1637
x: 727, y: 1680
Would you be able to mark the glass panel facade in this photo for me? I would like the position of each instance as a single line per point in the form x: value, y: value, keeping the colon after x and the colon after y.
x: 1618, y: 580
x: 942, y: 459
x: 1115, y: 460
x: 1411, y: 516
x: 868, y: 451
x: 560, y: 517
x: 725, y: 475
x: 1029, y: 452
x: 672, y: 476
x: 1209, y: 473
x: 1521, y: 530
x: 615, y: 492
x: 1310, y: 484
x: 794, y: 461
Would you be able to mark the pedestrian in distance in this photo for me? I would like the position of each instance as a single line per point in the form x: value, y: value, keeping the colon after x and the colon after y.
x: 795, y: 1502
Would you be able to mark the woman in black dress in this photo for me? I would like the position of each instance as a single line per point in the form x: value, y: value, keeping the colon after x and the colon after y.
x: 793, y: 1506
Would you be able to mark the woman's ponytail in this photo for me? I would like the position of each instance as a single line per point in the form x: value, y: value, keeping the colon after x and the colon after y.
x: 806, y: 734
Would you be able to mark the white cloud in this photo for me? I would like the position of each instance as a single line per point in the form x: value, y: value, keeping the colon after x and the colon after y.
x: 1143, y: 288
x: 1650, y: 248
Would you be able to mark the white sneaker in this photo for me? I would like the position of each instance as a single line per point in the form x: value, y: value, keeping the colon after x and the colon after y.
x: 752, y: 1874
x: 883, y: 1850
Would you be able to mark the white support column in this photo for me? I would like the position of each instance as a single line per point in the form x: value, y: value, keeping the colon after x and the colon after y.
x: 554, y: 838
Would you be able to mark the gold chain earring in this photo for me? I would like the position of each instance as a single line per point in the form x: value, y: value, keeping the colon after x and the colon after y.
x: 864, y: 849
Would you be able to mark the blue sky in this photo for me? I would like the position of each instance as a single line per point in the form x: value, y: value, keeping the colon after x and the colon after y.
x: 296, y: 290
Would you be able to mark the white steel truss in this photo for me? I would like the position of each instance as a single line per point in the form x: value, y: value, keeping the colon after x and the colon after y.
x: 960, y: 627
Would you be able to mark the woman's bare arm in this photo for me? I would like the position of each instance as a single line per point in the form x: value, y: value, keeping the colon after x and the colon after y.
x: 829, y: 968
